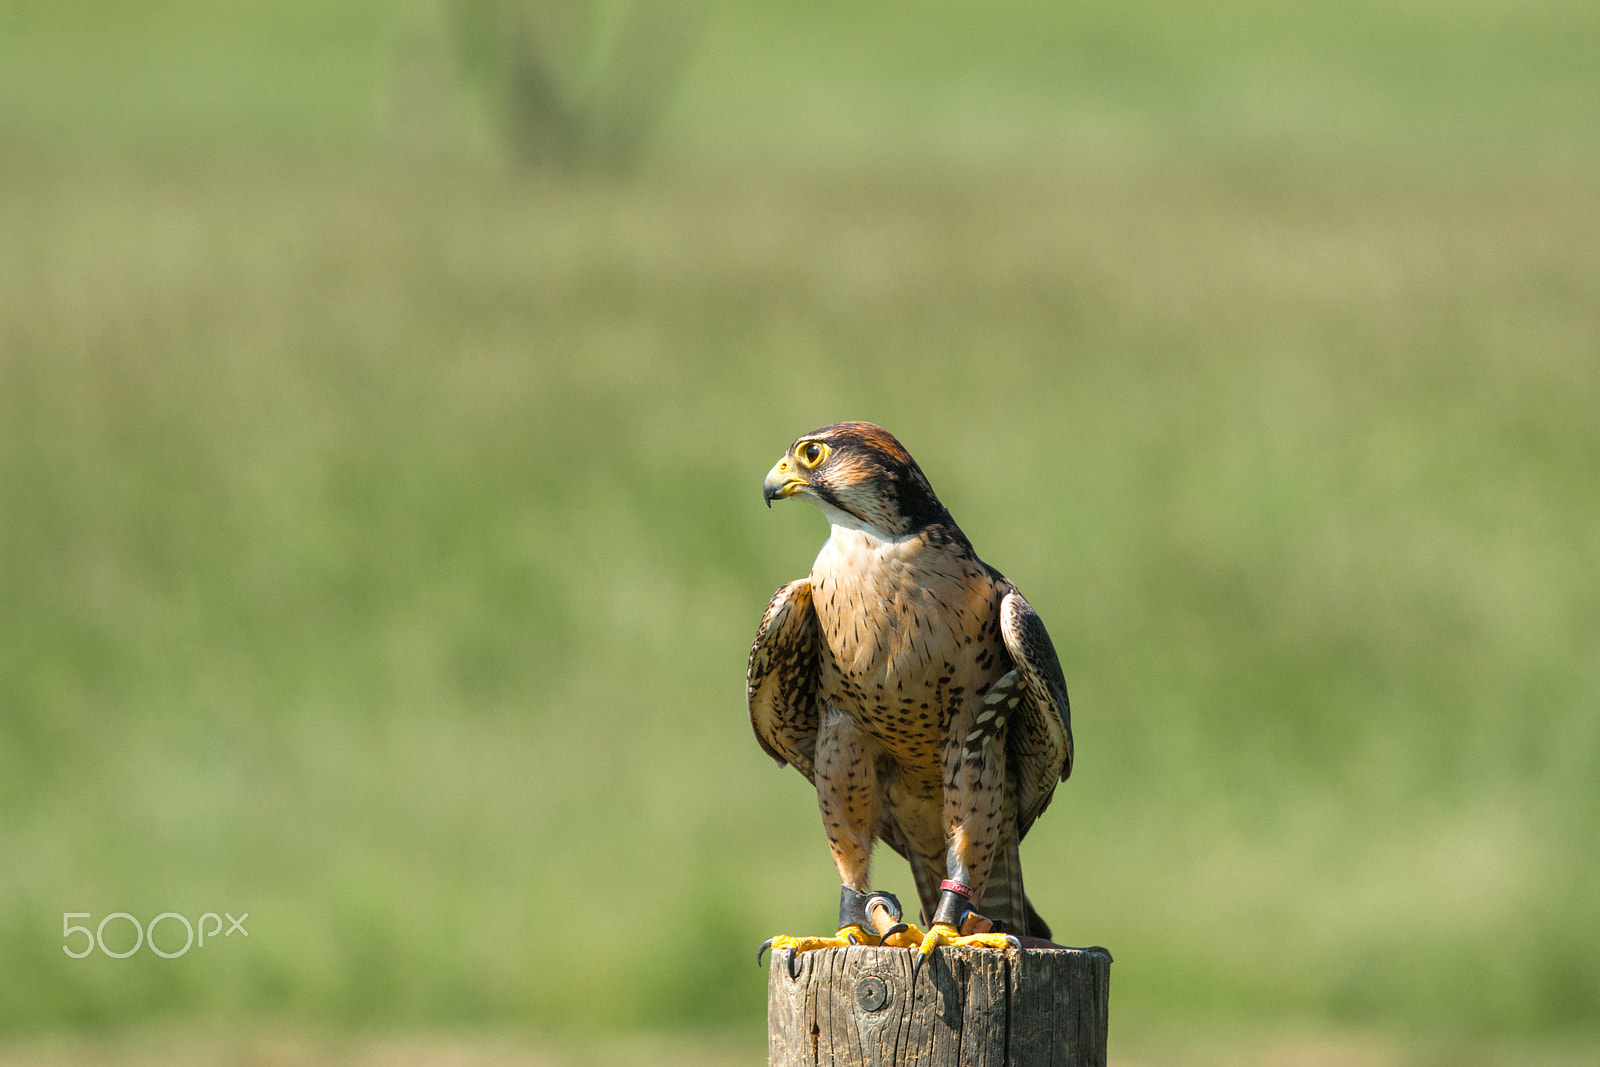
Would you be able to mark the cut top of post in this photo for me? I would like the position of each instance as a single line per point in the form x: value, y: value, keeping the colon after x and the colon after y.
x: 969, y: 1007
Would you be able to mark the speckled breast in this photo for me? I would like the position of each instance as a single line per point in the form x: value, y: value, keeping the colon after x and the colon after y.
x: 910, y: 633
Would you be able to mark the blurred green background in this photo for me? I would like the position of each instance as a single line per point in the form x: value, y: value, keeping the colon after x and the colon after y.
x: 381, y: 535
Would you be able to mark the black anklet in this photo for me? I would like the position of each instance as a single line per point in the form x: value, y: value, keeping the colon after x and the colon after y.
x: 953, y: 908
x: 853, y: 907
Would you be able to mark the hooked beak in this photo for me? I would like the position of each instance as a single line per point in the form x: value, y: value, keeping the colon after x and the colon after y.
x: 782, y: 481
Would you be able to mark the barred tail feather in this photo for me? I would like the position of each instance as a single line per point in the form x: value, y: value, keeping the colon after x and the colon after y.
x: 1003, y: 899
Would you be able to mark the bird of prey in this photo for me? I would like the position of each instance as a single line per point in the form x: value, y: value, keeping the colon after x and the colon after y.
x: 913, y: 685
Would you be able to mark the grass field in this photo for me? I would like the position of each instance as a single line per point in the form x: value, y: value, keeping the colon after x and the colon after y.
x: 381, y: 540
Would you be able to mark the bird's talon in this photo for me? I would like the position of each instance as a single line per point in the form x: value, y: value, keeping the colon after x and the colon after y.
x: 941, y: 934
x: 902, y: 935
x: 792, y: 947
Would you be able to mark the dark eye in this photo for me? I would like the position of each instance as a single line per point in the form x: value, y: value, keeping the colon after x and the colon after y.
x: 812, y: 453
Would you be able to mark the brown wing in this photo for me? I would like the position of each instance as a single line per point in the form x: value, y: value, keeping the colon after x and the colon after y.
x: 781, y: 681
x: 1040, y: 741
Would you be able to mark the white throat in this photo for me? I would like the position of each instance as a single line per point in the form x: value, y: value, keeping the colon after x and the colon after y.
x: 844, y: 522
x: 854, y: 547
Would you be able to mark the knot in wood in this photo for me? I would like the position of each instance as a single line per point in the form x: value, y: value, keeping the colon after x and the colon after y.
x: 872, y: 993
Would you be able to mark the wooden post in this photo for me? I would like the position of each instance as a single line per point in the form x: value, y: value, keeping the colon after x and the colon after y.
x: 970, y: 1007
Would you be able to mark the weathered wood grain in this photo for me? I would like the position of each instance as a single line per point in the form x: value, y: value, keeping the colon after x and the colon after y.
x: 857, y: 1007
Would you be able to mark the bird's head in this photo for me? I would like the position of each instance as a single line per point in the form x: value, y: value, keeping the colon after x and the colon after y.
x: 859, y: 475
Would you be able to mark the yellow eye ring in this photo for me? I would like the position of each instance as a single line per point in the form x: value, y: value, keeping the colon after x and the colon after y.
x: 811, y: 453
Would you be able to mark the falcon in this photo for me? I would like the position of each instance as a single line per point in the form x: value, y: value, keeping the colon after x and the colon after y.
x: 917, y: 689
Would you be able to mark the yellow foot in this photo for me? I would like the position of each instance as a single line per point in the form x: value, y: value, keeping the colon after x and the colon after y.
x: 793, y: 946
x: 942, y: 934
x: 904, y: 935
